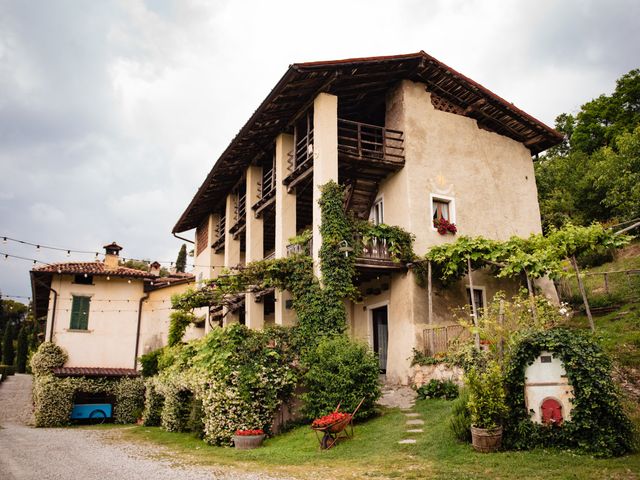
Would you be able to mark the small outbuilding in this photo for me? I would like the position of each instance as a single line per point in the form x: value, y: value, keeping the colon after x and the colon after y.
x: 547, y: 392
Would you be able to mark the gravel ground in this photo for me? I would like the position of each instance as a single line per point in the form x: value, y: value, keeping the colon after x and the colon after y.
x: 28, y: 453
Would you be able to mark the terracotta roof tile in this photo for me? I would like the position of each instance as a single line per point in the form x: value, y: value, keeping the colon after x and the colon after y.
x: 94, y: 372
x: 92, y: 268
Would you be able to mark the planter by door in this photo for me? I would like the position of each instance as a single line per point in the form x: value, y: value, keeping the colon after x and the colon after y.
x: 486, y: 440
x: 380, y: 335
x: 248, y: 442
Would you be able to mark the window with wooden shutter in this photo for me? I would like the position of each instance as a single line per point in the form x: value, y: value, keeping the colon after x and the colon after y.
x: 80, y: 313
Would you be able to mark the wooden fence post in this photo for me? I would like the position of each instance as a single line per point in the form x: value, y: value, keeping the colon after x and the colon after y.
x: 473, y: 307
x: 574, y: 262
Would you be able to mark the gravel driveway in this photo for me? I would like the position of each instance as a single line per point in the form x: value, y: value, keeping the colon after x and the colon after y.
x: 71, y: 453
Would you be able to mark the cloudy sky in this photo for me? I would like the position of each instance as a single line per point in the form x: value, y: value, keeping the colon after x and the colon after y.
x: 112, y: 112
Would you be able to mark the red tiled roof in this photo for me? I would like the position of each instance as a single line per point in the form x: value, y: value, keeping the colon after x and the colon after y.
x: 94, y: 372
x: 92, y: 268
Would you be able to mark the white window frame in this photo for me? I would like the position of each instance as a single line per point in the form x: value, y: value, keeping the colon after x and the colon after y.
x: 379, y: 201
x: 452, y: 208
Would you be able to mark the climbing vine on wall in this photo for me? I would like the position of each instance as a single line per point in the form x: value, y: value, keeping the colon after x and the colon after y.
x: 598, y: 424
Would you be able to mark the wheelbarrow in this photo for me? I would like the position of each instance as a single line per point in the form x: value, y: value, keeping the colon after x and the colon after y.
x: 330, y: 428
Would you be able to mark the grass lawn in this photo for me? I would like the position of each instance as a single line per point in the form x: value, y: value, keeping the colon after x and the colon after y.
x: 375, y: 453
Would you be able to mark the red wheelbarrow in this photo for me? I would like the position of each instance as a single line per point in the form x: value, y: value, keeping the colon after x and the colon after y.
x: 334, y: 426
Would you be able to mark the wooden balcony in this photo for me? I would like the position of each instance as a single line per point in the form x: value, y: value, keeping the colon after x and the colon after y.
x: 374, y: 149
x: 374, y: 254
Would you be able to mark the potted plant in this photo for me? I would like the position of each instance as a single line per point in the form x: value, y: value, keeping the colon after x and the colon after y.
x: 248, y: 439
x: 487, y: 407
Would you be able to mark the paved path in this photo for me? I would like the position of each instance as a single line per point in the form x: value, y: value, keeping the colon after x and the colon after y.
x: 28, y: 453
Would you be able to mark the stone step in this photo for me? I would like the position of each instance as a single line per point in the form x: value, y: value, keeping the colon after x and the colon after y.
x: 407, y: 441
x: 415, y: 430
x: 412, y: 415
x: 415, y: 422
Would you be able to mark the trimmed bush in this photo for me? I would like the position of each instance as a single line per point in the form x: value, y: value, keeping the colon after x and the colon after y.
x: 129, y: 393
x: 53, y: 401
x: 341, y: 371
x: 22, y: 350
x: 446, y: 389
x: 7, y: 370
x: 47, y: 357
x: 153, y: 404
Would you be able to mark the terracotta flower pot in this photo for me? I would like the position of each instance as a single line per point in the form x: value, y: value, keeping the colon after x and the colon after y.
x: 248, y: 442
x: 485, y: 440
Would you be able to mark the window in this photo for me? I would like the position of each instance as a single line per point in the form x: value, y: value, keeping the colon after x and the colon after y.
x: 377, y: 212
x: 80, y: 313
x: 83, y: 279
x: 478, y: 295
x: 442, y: 208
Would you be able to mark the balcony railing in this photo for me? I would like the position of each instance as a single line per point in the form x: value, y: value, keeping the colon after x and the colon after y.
x: 240, y: 215
x: 357, y: 142
x: 218, y: 244
x: 370, y: 142
x: 267, y: 192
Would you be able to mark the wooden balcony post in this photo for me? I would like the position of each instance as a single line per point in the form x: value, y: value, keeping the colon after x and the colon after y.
x: 231, y: 248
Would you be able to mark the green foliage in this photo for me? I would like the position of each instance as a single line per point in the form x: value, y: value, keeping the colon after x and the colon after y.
x: 149, y: 362
x: 181, y: 260
x: 423, y: 359
x: 487, y: 399
x: 153, y: 404
x: 450, y: 259
x: 341, y: 370
x: 445, y: 389
x: 47, y: 357
x: 53, y: 397
x: 593, y: 175
x: 399, y: 242
x: 180, y: 320
x: 460, y: 420
x: 8, y: 352
x: 7, y: 370
x: 22, y: 350
x: 598, y: 424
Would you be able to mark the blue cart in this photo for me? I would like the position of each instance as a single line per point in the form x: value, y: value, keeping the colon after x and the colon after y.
x: 98, y: 412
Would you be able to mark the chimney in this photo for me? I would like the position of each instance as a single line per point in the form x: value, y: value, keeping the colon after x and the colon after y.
x: 112, y: 255
x: 154, y: 269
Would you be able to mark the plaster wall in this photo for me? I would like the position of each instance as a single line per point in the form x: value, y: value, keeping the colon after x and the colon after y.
x: 110, y: 338
x: 489, y: 177
x: 154, y: 327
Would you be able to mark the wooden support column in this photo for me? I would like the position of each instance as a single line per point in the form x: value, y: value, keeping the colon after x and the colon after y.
x: 325, y: 160
x: 231, y: 249
x: 254, y: 312
x: 285, y: 222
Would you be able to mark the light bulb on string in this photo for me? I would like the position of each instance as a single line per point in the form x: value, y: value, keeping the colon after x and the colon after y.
x: 6, y: 257
x: 68, y: 253
x: 38, y: 247
x: 4, y: 239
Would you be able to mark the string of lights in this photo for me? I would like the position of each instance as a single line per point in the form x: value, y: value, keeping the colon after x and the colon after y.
x: 35, y: 261
x: 118, y: 310
x: 69, y: 251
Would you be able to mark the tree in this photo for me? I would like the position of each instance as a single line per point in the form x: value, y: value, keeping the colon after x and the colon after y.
x: 22, y: 350
x: 181, y: 261
x: 7, y: 346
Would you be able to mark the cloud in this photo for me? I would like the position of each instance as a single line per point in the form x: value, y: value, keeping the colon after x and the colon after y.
x: 112, y: 114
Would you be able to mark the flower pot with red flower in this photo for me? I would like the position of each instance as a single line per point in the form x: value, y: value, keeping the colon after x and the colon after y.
x: 444, y: 226
x: 248, y: 439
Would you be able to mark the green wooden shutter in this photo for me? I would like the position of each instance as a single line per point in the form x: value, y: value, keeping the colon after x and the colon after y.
x: 80, y: 313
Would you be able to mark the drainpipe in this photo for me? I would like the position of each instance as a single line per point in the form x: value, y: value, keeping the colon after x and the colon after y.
x: 135, y: 357
x: 182, y: 238
x: 53, y: 313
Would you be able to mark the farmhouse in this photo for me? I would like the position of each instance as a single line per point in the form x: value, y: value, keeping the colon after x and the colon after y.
x: 105, y: 315
x: 416, y: 145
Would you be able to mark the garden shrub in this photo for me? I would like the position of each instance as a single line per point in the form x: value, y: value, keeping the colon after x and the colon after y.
x: 598, y: 423
x: 342, y: 371
x: 460, y: 421
x: 149, y: 362
x: 153, y: 404
x: 195, y: 423
x: 129, y: 393
x: 7, y: 370
x: 53, y: 401
x: 446, y: 389
x: 47, y: 357
x: 177, y: 406
x: 487, y: 399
